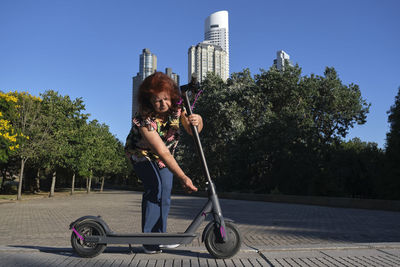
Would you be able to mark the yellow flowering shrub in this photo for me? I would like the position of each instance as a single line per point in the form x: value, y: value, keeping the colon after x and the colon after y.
x: 9, y: 103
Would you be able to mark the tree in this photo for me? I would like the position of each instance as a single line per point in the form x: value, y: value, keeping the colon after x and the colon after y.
x: 223, y: 119
x: 112, y: 157
x: 273, y: 132
x: 392, y: 177
x: 63, y: 117
x: 334, y: 107
x: 102, y: 153
x: 52, y: 135
x: 74, y: 146
x: 32, y: 136
x: 8, y: 136
x: 354, y: 170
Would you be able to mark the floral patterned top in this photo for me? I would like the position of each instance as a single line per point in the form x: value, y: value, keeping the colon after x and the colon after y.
x: 169, y: 132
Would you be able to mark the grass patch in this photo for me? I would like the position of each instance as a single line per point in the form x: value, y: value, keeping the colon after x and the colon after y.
x: 42, y: 194
x: 8, y: 197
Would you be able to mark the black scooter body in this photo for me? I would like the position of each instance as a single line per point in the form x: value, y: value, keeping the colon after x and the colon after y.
x: 91, y: 234
x: 129, y: 238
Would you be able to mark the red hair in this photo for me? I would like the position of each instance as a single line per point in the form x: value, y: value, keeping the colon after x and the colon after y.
x: 154, y: 84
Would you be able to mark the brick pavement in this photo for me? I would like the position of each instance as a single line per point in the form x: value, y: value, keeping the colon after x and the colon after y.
x: 274, y: 234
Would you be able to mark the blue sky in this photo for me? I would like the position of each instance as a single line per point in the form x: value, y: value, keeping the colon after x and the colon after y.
x: 90, y: 48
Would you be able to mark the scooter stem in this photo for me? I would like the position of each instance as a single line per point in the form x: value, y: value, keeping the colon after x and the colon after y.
x: 196, y: 138
x: 212, y: 194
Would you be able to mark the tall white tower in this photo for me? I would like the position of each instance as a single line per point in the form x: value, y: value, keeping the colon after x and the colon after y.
x: 216, y: 31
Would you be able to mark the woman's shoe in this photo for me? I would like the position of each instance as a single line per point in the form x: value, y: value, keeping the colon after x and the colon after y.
x: 151, y: 251
x: 170, y: 246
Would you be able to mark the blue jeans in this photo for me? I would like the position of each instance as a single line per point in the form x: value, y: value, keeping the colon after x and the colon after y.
x: 156, y: 199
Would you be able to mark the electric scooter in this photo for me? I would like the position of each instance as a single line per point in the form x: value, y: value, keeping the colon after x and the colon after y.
x: 91, y: 234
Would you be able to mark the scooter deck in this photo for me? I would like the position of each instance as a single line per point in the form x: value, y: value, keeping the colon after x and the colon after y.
x: 142, y: 238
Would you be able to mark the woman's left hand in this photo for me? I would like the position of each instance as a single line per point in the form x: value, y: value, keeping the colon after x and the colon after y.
x: 195, y: 119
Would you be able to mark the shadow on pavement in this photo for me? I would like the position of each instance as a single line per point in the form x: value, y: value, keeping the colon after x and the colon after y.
x: 67, y: 251
x: 297, y: 220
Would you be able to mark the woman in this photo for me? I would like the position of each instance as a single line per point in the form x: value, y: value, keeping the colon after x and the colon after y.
x: 151, y: 144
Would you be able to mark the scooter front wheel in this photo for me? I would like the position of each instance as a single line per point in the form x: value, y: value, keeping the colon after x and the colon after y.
x: 83, y: 248
x: 217, y: 247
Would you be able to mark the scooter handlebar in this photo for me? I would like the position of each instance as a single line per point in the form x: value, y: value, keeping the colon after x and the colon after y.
x: 193, y: 86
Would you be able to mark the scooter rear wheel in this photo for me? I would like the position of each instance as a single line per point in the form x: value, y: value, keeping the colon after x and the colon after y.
x: 83, y: 248
x: 217, y: 247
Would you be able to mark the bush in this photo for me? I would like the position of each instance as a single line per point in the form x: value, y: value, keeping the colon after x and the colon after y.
x: 10, y: 187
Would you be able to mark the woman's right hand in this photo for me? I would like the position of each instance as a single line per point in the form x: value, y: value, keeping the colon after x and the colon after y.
x: 187, y: 185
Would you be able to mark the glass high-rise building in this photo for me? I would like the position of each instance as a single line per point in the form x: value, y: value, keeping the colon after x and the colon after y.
x: 216, y: 31
x: 148, y: 63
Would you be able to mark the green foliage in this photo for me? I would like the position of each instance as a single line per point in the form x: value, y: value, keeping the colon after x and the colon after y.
x: 8, y: 137
x: 275, y: 132
x: 52, y: 133
x: 282, y: 132
x: 102, y: 153
x: 353, y: 168
x: 63, y: 117
x: 392, y: 174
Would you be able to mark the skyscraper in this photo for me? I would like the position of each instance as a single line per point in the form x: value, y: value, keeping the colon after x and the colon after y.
x: 136, y: 81
x: 211, y: 55
x: 281, y: 59
x: 172, y: 75
x: 206, y: 57
x: 147, y: 66
x: 148, y: 63
x: 216, y: 31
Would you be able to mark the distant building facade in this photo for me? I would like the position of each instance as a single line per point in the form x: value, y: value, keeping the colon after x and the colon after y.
x: 282, y: 58
x: 172, y: 75
x: 206, y: 57
x: 147, y: 66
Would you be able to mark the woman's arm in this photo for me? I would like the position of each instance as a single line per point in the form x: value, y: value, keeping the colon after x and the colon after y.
x: 194, y: 119
x: 158, y: 147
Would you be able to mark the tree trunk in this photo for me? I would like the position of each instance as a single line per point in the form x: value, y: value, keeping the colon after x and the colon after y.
x: 53, y: 184
x: 37, y: 186
x: 73, y: 184
x: 4, y: 174
x: 89, y: 184
x: 102, y: 184
x: 21, y: 175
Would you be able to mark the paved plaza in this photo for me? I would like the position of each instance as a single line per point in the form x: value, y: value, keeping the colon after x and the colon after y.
x: 35, y: 233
